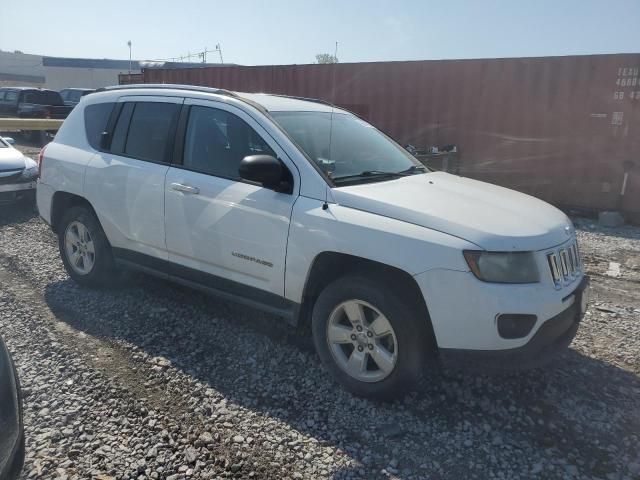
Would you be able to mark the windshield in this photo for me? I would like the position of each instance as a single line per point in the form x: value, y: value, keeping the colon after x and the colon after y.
x: 351, y: 147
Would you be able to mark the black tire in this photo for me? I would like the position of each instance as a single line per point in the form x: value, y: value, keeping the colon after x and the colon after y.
x: 104, y: 271
x: 413, y: 342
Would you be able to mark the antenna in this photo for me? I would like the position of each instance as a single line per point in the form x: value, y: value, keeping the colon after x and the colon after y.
x: 333, y: 101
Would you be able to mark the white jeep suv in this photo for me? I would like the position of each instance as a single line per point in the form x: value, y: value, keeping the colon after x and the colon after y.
x: 304, y: 210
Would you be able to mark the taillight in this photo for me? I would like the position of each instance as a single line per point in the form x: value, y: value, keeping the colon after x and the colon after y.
x: 40, y: 159
x: 47, y: 113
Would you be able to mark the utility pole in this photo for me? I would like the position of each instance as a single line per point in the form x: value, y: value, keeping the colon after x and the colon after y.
x: 219, y: 49
x: 129, y: 45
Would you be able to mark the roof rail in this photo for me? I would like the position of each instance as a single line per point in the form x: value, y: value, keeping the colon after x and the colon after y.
x: 306, y: 99
x: 168, y: 86
x: 316, y: 100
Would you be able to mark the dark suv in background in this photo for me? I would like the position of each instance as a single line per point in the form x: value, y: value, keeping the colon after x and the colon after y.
x: 72, y: 96
x: 28, y: 102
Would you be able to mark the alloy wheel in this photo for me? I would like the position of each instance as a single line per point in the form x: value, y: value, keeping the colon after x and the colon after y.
x: 362, y: 341
x: 79, y: 248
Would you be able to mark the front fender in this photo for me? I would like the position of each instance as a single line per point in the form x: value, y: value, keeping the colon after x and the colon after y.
x: 408, y: 247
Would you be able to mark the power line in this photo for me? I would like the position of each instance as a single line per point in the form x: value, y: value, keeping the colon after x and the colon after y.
x: 201, y: 55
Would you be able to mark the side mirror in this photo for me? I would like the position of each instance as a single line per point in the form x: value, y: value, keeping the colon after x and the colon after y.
x: 266, y: 170
x: 12, y: 437
x: 105, y: 141
x: 9, y: 140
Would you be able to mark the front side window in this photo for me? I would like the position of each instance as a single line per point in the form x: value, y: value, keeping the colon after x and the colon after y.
x: 11, y: 97
x: 216, y: 141
x: 346, y: 147
x: 149, y: 132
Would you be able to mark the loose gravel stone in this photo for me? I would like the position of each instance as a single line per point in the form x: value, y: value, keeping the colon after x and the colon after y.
x: 151, y: 380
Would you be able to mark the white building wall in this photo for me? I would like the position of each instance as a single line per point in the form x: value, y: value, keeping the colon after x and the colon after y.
x: 21, y: 64
x: 58, y: 78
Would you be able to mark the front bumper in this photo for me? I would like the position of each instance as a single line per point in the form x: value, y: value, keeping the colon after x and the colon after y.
x: 553, y: 337
x: 14, y: 192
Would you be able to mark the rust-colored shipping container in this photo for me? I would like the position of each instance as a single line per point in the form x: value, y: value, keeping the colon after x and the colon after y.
x: 565, y: 129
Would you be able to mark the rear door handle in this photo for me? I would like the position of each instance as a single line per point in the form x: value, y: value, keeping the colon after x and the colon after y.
x: 179, y: 187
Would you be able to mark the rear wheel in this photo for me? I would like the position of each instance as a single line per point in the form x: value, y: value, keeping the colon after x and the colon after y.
x: 369, y: 338
x: 84, y: 248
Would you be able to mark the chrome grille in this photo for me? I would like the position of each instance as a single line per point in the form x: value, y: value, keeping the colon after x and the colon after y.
x: 564, y: 264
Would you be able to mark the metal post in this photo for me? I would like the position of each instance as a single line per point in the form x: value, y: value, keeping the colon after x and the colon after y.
x: 129, y: 44
x: 219, y: 49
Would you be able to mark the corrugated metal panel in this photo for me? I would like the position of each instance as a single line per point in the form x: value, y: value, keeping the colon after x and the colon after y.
x: 565, y: 129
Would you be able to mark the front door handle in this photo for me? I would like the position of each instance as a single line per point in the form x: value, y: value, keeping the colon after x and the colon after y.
x: 179, y: 187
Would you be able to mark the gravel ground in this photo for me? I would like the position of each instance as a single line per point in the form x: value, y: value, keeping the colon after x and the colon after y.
x: 151, y: 380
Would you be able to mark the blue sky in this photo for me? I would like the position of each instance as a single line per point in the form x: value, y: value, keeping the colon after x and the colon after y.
x: 254, y: 32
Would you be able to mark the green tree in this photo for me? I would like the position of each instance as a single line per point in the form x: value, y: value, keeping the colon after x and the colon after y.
x: 326, y: 58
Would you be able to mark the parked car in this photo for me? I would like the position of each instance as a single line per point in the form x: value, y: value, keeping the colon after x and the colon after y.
x: 12, y: 445
x: 72, y: 96
x: 306, y: 211
x: 18, y: 174
x: 29, y: 102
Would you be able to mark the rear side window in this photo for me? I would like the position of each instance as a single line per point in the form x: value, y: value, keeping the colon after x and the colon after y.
x: 150, y: 131
x: 119, y: 136
x: 96, y: 117
x: 11, y: 97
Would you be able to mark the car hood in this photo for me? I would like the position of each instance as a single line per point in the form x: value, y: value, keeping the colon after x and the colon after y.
x: 12, y: 160
x: 492, y: 217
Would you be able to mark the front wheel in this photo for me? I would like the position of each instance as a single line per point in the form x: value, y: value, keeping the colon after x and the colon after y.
x: 84, y: 248
x: 369, y: 338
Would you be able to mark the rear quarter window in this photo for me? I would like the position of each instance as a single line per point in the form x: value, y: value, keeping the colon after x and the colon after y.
x: 96, y: 117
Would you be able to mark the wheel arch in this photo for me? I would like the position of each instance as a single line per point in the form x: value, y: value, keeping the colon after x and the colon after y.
x: 329, y: 266
x: 63, y: 201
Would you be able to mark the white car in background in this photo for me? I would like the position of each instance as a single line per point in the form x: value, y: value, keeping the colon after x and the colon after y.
x: 18, y: 174
x: 307, y: 211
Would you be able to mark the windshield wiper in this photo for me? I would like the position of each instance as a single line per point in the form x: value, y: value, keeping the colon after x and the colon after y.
x: 380, y: 173
x: 414, y: 169
x: 369, y: 173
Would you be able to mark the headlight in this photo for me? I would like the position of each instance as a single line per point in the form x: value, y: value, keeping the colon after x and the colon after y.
x: 30, y: 172
x: 503, y: 267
